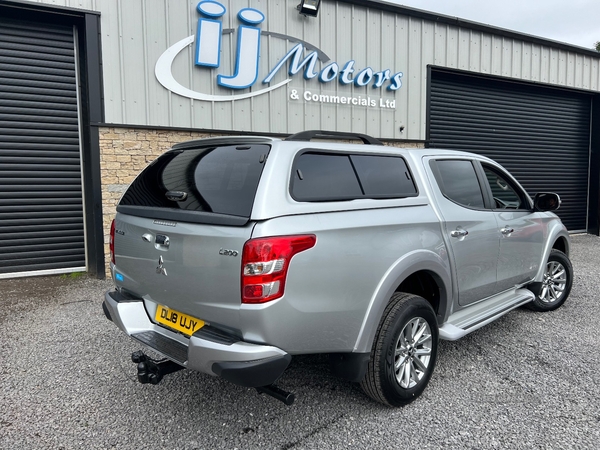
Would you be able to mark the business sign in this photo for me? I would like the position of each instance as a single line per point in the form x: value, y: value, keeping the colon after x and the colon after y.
x: 303, y: 59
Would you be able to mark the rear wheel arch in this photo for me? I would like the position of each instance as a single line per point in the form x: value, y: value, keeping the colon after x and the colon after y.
x: 428, y: 285
x: 416, y: 276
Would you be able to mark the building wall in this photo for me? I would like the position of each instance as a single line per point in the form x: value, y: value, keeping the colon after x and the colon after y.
x: 136, y: 32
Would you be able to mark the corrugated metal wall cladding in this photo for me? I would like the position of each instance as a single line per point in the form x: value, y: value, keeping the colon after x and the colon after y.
x: 35, y: 120
x: 500, y: 123
x: 42, y: 136
x: 8, y: 225
x: 52, y: 258
x: 508, y: 139
x: 509, y: 102
x: 42, y: 47
x: 42, y: 196
x: 136, y: 32
x: 9, y: 59
x: 62, y: 110
x: 41, y: 86
x: 44, y: 209
x: 21, y: 87
x: 41, y: 210
x: 44, y: 140
x: 43, y: 237
x: 27, y: 124
x: 41, y: 30
x: 37, y: 70
x: 11, y: 217
x: 42, y: 101
x: 541, y: 135
x: 40, y: 263
x: 533, y: 95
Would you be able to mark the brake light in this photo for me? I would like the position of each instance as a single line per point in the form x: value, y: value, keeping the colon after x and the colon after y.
x: 112, y: 242
x: 265, y: 262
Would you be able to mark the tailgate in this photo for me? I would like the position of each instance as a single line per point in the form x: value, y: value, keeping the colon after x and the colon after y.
x: 191, y: 268
x: 182, y: 224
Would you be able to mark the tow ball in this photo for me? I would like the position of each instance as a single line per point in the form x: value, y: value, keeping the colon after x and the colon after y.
x: 150, y: 370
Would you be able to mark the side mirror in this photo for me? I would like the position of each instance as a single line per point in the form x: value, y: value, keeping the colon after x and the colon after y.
x: 546, y: 201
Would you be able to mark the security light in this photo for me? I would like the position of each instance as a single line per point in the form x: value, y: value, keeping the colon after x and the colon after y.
x: 309, y: 7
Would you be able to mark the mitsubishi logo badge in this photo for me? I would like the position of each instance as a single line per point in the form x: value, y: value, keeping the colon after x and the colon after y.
x: 161, y: 268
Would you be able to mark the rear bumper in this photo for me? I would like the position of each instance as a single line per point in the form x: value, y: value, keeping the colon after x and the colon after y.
x: 207, y: 351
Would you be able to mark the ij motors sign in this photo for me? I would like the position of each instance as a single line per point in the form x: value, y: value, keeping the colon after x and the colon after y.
x: 302, y: 59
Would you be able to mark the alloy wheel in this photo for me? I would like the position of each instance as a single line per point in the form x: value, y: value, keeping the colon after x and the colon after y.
x: 412, y: 353
x: 555, y: 281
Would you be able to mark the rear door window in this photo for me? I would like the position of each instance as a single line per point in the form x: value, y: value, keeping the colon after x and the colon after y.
x: 219, y: 180
x: 458, y: 181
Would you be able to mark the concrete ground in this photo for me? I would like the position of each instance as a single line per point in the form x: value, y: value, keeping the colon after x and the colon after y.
x: 66, y: 382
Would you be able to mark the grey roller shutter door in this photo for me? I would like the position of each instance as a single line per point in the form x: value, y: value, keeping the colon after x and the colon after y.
x: 540, y: 134
x: 41, y: 207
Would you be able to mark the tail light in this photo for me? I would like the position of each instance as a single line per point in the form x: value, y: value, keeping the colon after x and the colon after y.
x: 265, y: 262
x: 112, y: 242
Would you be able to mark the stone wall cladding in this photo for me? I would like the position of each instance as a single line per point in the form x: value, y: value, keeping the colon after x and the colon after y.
x: 125, y: 152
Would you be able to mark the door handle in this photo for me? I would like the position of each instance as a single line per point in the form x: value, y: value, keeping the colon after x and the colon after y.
x: 506, y: 231
x: 458, y: 233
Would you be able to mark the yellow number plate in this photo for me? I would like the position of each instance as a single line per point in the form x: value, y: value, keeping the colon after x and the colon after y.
x: 178, y: 321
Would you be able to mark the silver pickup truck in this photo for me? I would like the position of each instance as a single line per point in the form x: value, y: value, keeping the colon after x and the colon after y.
x: 231, y: 255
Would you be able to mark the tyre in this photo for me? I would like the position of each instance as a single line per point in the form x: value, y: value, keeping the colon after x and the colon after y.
x: 556, y: 286
x: 404, y: 351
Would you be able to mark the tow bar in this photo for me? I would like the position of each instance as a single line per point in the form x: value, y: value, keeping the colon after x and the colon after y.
x: 150, y: 370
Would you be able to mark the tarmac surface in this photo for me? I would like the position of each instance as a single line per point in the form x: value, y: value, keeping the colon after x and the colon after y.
x: 67, y: 382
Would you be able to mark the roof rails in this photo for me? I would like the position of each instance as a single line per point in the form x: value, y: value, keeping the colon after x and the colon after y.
x: 221, y: 141
x: 311, y: 134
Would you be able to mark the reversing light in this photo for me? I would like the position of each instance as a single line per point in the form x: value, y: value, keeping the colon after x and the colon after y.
x: 265, y: 262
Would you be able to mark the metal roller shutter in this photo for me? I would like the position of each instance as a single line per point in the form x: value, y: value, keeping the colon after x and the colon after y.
x: 41, y: 207
x: 540, y: 134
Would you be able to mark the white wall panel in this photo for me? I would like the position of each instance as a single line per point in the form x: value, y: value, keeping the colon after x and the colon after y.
x: 595, y: 75
x: 487, y: 45
x: 135, y: 33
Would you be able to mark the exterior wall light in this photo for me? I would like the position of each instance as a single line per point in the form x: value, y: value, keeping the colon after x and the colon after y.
x: 309, y: 7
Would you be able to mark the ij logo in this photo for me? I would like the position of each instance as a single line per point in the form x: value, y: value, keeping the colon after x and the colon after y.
x: 208, y: 49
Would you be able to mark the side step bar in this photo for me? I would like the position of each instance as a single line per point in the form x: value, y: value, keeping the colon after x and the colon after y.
x: 480, y: 314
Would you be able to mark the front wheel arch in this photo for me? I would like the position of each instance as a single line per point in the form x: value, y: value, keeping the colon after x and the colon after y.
x: 556, y: 284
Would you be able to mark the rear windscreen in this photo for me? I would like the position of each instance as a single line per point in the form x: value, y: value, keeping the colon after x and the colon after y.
x: 221, y: 180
